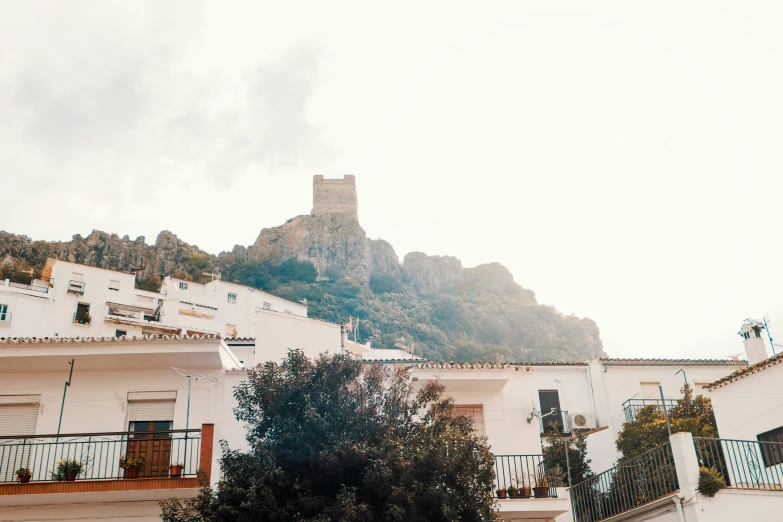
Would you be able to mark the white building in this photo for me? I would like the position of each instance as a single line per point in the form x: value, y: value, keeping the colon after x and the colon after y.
x: 72, y: 300
x: 124, y: 399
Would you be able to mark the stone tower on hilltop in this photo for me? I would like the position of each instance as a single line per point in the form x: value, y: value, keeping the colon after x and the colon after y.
x: 335, y: 196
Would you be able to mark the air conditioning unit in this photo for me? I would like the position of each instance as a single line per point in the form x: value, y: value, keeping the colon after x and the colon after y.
x: 583, y: 421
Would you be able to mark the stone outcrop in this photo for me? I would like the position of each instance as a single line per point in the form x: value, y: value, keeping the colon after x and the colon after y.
x: 328, y: 241
x: 104, y: 250
x: 495, y: 279
x: 432, y: 274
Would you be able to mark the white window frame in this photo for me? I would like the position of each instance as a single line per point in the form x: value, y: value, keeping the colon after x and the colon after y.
x: 183, y: 285
x: 5, y: 315
x: 267, y: 306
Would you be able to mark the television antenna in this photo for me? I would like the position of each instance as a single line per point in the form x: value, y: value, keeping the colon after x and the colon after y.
x: 767, y: 320
x: 197, y: 376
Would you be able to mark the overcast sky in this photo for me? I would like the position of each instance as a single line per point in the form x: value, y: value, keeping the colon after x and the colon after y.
x: 624, y: 161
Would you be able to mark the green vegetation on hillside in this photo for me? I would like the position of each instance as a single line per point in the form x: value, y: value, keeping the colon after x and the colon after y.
x: 465, y: 324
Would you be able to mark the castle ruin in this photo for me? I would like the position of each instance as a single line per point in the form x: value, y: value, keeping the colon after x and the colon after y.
x: 335, y: 196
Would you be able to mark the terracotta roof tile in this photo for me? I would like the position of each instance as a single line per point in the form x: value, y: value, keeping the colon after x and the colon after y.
x: 745, y: 372
x: 122, y: 339
x: 672, y: 362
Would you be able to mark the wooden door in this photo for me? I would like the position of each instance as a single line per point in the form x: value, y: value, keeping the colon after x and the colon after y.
x: 155, y: 447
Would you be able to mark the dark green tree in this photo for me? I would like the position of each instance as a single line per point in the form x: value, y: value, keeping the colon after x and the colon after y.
x: 336, y: 440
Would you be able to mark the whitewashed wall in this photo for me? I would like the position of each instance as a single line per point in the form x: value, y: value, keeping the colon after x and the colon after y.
x: 278, y: 332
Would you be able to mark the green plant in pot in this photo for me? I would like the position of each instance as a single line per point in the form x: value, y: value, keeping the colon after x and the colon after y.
x: 68, y: 470
x: 23, y: 475
x: 513, y: 492
x: 132, y: 465
x: 501, y: 493
x: 541, y: 489
x: 524, y: 489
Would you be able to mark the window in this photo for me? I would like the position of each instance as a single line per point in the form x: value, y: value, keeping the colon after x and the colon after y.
x: 5, y: 315
x: 232, y: 298
x: 18, y: 415
x: 114, y: 285
x: 120, y: 333
x: 650, y: 390
x: 474, y: 412
x: 231, y: 330
x: 550, y: 400
x: 267, y: 306
x: 82, y: 315
x: 772, y: 454
x: 183, y: 285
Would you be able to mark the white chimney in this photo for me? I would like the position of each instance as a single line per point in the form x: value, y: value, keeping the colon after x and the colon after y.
x: 754, y: 343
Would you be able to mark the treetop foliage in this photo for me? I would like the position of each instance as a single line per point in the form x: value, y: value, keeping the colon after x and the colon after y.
x: 337, y: 440
x: 648, y: 430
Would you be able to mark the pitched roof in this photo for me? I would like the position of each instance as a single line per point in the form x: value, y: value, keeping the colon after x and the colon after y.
x: 671, y: 362
x: 490, y: 365
x: 745, y: 372
x: 122, y: 339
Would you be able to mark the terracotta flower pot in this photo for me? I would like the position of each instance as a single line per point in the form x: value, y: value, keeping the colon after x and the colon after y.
x: 70, y: 475
x: 132, y: 473
x: 502, y: 493
x: 541, y: 492
x: 24, y: 479
x: 176, y: 471
x: 524, y: 492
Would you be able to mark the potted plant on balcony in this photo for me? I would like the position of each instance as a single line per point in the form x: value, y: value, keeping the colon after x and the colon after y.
x: 176, y: 469
x: 132, y: 465
x: 23, y: 475
x: 541, y: 489
x: 501, y: 493
x: 513, y: 492
x: 524, y: 489
x: 68, y: 470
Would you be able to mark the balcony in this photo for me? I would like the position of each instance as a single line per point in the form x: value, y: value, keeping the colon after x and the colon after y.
x: 76, y: 287
x: 631, y: 406
x: 32, y: 465
x: 517, y: 491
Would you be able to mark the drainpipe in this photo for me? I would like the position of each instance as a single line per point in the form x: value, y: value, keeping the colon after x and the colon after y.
x: 678, y: 504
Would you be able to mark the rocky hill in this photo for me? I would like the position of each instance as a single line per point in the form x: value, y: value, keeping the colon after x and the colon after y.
x: 447, y: 311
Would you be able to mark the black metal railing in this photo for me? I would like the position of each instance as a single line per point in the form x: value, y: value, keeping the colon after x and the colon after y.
x: 629, y: 485
x: 99, y: 454
x: 523, y: 471
x: 631, y: 406
x: 744, y: 464
x: 559, y: 422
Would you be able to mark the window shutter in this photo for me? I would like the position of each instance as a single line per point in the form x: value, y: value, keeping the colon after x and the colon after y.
x: 151, y: 411
x: 18, y: 419
x: 475, y: 414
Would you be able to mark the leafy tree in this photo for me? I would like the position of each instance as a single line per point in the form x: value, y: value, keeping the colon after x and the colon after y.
x: 648, y: 430
x: 555, y: 458
x: 385, y: 284
x: 336, y: 440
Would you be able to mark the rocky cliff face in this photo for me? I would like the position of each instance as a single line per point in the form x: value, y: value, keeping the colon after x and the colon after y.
x: 329, y: 241
x: 167, y: 256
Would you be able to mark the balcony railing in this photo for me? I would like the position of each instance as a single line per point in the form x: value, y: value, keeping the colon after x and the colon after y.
x: 559, y: 422
x: 76, y: 287
x: 744, y: 464
x: 100, y: 453
x: 33, y: 288
x: 523, y: 471
x: 632, y: 484
x: 631, y: 406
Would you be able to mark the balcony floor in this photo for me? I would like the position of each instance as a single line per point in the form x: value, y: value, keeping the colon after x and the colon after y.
x: 81, y: 491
